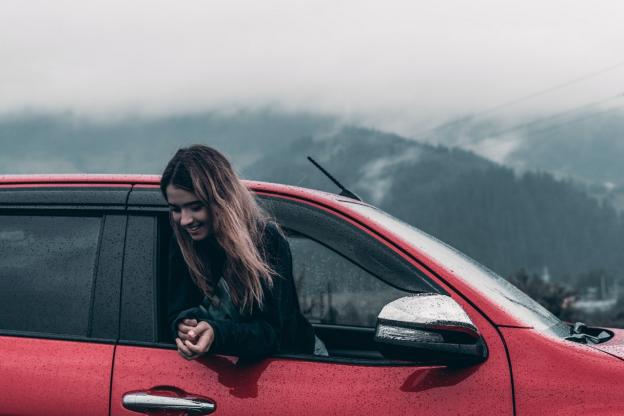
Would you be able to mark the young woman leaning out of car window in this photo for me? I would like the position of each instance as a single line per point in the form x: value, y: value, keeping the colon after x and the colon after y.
x: 230, y: 289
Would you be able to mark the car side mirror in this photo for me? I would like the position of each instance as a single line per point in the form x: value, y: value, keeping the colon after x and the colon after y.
x: 429, y: 328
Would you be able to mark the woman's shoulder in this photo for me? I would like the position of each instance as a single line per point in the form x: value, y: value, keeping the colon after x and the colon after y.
x: 273, y: 237
x: 174, y: 246
x: 272, y: 230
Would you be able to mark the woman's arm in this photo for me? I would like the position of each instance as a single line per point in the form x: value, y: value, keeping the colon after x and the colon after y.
x: 259, y: 336
x: 183, y: 296
x: 256, y: 337
x: 274, y: 328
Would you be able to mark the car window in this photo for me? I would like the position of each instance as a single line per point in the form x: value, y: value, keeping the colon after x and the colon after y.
x: 333, y: 290
x: 138, y: 294
x: 352, y: 242
x: 47, y: 266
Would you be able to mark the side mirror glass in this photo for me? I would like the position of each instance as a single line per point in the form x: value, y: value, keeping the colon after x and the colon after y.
x: 429, y: 328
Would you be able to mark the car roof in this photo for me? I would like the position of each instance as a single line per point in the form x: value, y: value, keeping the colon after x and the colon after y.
x: 154, y: 180
x: 79, y: 178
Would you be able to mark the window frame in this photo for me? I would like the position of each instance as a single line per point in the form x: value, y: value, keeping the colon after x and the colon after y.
x: 281, y: 208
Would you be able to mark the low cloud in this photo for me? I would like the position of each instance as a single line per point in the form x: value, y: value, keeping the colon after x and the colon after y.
x: 400, y: 66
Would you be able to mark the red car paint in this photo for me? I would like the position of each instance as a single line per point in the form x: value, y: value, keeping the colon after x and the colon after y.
x: 53, y: 377
x: 615, y: 346
x: 278, y: 386
x: 555, y: 376
x: 526, y: 372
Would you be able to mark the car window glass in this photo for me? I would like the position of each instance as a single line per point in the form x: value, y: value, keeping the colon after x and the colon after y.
x: 46, y: 273
x: 137, y: 289
x: 332, y: 290
x: 495, y: 287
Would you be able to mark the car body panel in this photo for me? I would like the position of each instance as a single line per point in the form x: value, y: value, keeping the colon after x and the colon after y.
x: 555, y: 376
x: 54, y: 377
x: 614, y: 346
x: 276, y: 386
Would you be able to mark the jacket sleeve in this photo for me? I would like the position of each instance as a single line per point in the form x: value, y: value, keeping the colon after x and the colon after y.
x: 263, y: 333
x: 183, y: 295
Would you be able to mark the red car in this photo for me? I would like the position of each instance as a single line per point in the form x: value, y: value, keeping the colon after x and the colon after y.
x: 412, y: 326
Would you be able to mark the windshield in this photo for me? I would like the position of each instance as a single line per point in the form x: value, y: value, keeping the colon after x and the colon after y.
x: 492, y: 285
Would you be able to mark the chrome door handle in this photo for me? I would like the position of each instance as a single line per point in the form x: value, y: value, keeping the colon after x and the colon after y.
x: 143, y: 402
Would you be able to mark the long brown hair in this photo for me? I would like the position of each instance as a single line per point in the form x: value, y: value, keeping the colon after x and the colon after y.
x: 238, y: 224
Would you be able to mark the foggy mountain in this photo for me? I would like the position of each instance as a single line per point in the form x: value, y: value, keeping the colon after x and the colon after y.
x: 31, y: 143
x: 592, y: 149
x: 587, y: 147
x: 589, y: 150
x: 503, y: 220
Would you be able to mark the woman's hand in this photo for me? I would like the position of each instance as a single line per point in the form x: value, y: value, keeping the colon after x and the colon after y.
x: 183, y: 330
x: 189, y: 350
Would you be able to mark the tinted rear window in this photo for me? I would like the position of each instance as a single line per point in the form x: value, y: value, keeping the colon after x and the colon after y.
x: 47, y: 265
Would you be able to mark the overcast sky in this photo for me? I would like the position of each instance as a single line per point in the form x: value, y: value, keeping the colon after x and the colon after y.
x: 385, y: 64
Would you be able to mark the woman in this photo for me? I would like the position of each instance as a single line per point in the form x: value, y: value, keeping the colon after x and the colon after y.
x: 231, y: 289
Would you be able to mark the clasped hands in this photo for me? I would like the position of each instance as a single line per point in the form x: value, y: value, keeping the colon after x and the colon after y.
x: 194, y: 339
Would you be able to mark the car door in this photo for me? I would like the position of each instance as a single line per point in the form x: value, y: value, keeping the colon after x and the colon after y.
x: 60, y: 268
x: 344, y: 276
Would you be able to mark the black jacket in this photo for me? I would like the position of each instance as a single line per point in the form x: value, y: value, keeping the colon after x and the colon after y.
x: 277, y: 327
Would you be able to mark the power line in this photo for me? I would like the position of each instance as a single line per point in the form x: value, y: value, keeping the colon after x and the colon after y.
x: 521, y: 99
x: 556, y: 126
x: 539, y: 121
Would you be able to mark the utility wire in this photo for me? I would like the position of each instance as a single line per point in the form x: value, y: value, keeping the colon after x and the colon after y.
x: 520, y: 100
x: 556, y: 126
x: 539, y: 121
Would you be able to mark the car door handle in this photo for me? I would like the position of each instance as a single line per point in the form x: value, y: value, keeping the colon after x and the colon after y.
x: 143, y: 402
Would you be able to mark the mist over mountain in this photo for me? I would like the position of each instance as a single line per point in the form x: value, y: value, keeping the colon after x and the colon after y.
x: 33, y: 143
x: 585, y: 146
x: 504, y: 220
x: 591, y: 149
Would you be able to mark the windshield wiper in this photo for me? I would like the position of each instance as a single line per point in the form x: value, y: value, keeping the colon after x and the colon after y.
x: 578, y: 333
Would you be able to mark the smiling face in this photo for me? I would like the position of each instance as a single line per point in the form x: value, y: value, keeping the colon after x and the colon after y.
x: 188, y: 211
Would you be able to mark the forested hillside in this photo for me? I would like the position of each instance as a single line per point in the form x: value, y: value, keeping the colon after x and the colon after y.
x: 503, y: 220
